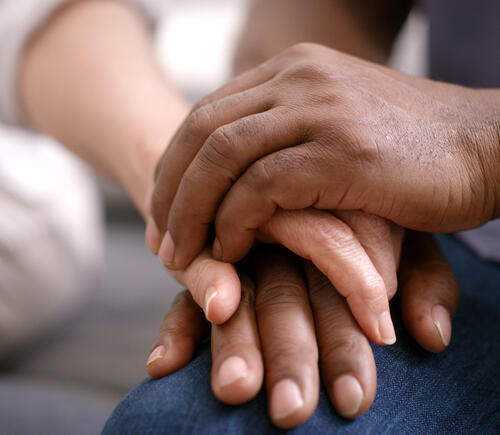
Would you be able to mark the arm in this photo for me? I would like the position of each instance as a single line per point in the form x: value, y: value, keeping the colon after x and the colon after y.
x: 98, y: 89
x: 365, y: 29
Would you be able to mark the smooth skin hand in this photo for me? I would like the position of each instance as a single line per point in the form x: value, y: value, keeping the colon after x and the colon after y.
x: 358, y: 252
x: 286, y: 324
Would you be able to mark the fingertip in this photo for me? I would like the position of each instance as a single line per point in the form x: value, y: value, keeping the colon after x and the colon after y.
x: 347, y: 395
x: 165, y: 360
x: 152, y: 236
x: 431, y: 327
x: 374, y: 318
x: 235, y: 382
x: 166, y: 251
x: 386, y: 332
x: 222, y: 298
x: 286, y: 404
x: 157, y: 354
x: 214, y: 285
x: 442, y: 322
x: 221, y: 303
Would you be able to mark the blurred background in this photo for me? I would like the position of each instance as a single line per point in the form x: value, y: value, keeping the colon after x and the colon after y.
x: 117, y: 291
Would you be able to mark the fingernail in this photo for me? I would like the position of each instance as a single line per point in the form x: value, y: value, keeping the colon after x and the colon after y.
x: 231, y: 370
x: 158, y: 353
x: 442, y: 322
x: 386, y: 328
x: 153, y: 237
x: 211, y: 293
x: 348, y: 395
x: 167, y: 249
x: 217, y: 249
x: 285, y: 399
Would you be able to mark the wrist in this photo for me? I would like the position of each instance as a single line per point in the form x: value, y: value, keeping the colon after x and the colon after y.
x: 484, y: 142
x: 136, y: 164
x: 89, y: 77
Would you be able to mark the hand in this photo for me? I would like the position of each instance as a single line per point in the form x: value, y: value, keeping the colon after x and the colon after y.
x: 358, y: 252
x: 275, y: 300
x: 313, y: 127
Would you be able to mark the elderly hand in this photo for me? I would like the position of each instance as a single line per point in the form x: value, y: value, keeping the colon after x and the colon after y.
x: 285, y: 325
x: 314, y: 127
x: 358, y: 252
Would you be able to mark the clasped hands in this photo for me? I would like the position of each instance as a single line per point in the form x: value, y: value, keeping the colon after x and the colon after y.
x: 329, y: 156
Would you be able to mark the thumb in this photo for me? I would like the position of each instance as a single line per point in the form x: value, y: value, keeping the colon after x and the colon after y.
x: 429, y: 291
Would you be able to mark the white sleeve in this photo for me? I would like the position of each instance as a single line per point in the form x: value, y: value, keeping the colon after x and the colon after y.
x: 18, y: 20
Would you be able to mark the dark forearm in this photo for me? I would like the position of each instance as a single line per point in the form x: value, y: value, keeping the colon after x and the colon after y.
x: 365, y: 29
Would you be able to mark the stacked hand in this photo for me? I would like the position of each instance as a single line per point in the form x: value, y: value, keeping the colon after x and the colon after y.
x: 284, y: 154
x: 314, y: 132
x: 289, y: 319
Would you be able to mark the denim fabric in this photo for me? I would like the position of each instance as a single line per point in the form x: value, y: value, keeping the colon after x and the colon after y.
x: 455, y: 392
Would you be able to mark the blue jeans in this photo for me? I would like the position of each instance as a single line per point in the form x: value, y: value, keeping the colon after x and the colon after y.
x: 457, y: 391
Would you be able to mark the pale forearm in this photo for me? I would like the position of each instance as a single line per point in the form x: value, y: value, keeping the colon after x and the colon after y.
x: 90, y: 79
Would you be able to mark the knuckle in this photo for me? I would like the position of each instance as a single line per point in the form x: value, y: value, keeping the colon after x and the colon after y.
x: 310, y: 72
x: 335, y: 237
x: 374, y: 294
x: 277, y: 296
x: 353, y: 143
x: 342, y: 345
x: 367, y: 222
x: 199, y: 120
x: 219, y: 148
x: 201, y: 103
x: 315, y: 71
x: 320, y: 287
x: 259, y: 177
x: 303, y: 49
x: 288, y: 357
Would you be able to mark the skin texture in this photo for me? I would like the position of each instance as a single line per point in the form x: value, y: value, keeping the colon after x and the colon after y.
x: 281, y: 334
x: 125, y: 144
x: 421, y: 262
x: 317, y: 128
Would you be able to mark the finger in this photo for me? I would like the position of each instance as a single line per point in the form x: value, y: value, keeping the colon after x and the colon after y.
x: 346, y: 359
x: 199, y: 125
x: 291, y: 179
x: 381, y: 239
x: 237, y: 367
x: 227, y: 152
x: 214, y: 285
x: 244, y: 81
x: 334, y: 249
x: 287, y: 336
x: 429, y: 291
x: 182, y: 329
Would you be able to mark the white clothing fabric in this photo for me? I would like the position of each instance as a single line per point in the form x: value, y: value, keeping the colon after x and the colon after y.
x: 51, y: 236
x: 18, y: 20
